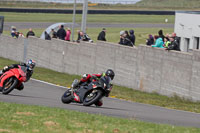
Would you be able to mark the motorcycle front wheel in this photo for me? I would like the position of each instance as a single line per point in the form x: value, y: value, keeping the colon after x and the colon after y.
x: 67, y: 97
x: 9, y: 84
x: 92, y: 97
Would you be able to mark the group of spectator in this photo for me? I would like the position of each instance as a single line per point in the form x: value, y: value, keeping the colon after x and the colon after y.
x: 169, y: 42
x: 14, y: 33
x: 127, y: 38
x: 60, y: 34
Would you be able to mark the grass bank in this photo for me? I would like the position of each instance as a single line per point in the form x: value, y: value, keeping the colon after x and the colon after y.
x: 16, y: 118
x: 169, y: 4
x: 143, y: 5
x: 118, y: 91
x: 91, y: 18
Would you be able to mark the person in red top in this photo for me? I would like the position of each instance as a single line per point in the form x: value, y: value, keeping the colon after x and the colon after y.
x: 87, y: 78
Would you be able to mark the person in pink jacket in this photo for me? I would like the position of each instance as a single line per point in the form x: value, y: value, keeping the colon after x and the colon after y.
x: 68, y: 34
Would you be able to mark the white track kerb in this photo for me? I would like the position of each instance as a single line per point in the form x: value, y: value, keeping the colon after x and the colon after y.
x: 48, y: 83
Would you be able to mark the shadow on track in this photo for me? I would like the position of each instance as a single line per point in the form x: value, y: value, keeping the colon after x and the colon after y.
x: 102, y: 107
x: 15, y: 95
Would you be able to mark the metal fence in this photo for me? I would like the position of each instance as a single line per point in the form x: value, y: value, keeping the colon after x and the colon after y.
x: 81, y: 1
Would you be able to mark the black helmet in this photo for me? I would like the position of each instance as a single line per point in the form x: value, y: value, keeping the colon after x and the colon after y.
x: 110, y: 73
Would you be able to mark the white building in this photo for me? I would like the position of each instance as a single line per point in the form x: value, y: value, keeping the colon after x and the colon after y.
x: 187, y: 27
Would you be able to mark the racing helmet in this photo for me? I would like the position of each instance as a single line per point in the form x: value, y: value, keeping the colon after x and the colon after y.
x: 30, y: 64
x: 110, y: 73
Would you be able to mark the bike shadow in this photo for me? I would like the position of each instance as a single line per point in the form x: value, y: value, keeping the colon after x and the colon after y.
x: 25, y: 96
x: 102, y: 107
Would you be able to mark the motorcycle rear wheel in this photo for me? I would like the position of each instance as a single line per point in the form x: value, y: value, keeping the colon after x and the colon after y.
x: 67, y: 97
x: 88, y: 100
x: 9, y: 84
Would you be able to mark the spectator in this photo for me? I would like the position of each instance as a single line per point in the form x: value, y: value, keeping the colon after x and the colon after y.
x: 79, y: 36
x: 127, y: 34
x: 132, y: 36
x: 102, y: 35
x: 47, y: 36
x: 61, y: 33
x: 83, y: 37
x: 177, y: 39
x: 124, y: 40
x: 14, y: 32
x: 150, y: 40
x: 166, y: 42
x: 30, y: 33
x: 54, y: 34
x: 160, y: 33
x: 21, y: 34
x: 174, y: 44
x: 68, y: 34
x: 121, y: 37
x: 158, y: 42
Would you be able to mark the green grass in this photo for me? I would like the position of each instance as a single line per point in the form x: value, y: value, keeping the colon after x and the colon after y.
x: 169, y: 4
x: 143, y: 5
x: 118, y: 91
x: 92, y: 18
x: 17, y: 118
x: 112, y: 34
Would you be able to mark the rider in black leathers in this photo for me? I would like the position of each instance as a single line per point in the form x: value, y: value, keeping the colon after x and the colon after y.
x: 87, y: 79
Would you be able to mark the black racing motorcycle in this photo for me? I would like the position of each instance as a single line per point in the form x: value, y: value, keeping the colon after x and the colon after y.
x: 88, y: 94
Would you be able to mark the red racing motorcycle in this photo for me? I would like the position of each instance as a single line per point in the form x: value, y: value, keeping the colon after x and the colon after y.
x: 12, y: 79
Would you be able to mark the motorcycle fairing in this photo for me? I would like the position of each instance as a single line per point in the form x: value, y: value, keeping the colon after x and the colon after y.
x: 81, y: 92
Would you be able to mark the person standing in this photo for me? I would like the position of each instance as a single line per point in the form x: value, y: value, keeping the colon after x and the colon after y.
x: 30, y: 33
x: 132, y: 36
x: 124, y: 40
x: 150, y: 40
x: 47, y: 36
x: 174, y: 44
x: 160, y: 33
x: 61, y: 33
x: 68, y: 34
x: 102, y: 35
x: 158, y: 42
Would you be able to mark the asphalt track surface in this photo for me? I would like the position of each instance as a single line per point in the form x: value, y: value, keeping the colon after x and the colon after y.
x: 44, y: 25
x: 39, y: 93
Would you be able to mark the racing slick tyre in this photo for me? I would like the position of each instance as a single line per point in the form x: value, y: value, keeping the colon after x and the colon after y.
x: 9, y: 84
x: 92, y: 97
x: 67, y: 97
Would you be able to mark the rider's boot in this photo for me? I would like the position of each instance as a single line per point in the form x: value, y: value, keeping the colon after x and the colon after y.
x: 20, y: 87
x: 99, y: 103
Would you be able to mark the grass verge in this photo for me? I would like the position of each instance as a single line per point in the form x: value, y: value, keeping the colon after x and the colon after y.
x: 142, y: 5
x: 91, y: 18
x: 17, y: 118
x: 117, y: 92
